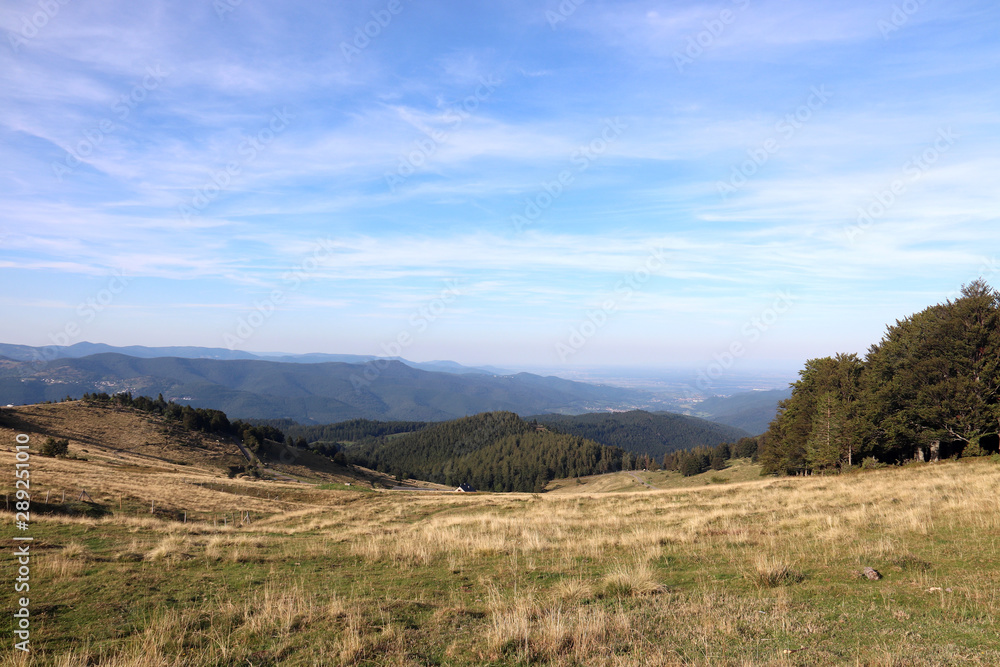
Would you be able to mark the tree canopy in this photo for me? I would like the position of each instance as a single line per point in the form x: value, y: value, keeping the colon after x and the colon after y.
x: 493, y: 451
x: 929, y: 388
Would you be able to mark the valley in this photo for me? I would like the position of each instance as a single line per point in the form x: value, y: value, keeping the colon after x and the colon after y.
x: 599, y: 571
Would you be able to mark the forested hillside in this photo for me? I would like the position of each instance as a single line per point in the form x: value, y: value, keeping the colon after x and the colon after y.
x: 929, y: 389
x: 318, y: 393
x: 352, y: 430
x: 496, y: 451
x: 641, y: 432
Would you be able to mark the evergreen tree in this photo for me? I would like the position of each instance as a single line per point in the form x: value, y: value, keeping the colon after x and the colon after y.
x: 826, y: 447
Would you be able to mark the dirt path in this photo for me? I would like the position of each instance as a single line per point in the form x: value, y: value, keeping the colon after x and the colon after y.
x: 641, y: 481
x: 243, y: 450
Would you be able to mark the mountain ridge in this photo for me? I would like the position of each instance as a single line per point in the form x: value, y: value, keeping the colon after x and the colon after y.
x: 642, y: 432
x: 309, y: 393
x: 85, y: 348
x: 751, y: 411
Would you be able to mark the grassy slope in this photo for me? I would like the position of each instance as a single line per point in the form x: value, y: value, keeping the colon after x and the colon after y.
x: 738, y: 470
x: 715, y: 574
x: 140, y: 460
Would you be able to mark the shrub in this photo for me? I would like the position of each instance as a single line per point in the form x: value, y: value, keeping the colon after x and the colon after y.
x: 53, y: 447
x: 871, y: 463
x: 974, y: 448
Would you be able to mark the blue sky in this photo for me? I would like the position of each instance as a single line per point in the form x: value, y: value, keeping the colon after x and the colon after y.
x: 516, y: 183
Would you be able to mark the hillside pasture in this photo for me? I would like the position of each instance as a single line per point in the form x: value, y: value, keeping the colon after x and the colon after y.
x: 760, y: 572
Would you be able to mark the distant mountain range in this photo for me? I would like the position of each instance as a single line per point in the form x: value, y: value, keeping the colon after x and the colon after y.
x: 78, y: 350
x: 309, y: 393
x: 751, y: 411
x: 324, y: 388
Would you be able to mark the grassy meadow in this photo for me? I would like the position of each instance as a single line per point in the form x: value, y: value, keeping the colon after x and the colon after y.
x: 752, y: 572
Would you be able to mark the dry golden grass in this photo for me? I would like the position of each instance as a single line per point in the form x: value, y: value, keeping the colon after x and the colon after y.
x: 75, y: 550
x: 724, y: 574
x: 135, y: 463
x: 626, y: 579
x: 122, y: 437
x: 171, y: 547
x: 768, y: 571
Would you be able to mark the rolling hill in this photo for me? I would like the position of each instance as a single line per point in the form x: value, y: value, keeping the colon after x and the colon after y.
x: 179, y: 564
x: 495, y: 451
x: 308, y: 393
x: 109, y: 442
x: 641, y: 432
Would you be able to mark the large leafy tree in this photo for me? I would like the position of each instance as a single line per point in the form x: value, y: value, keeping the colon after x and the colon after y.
x: 935, y: 378
x: 930, y: 387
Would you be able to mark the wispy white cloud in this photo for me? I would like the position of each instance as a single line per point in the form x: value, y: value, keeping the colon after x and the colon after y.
x: 403, y: 102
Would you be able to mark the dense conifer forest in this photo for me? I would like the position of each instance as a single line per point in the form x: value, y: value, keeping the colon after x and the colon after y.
x: 644, y: 433
x: 353, y: 430
x: 494, y: 451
